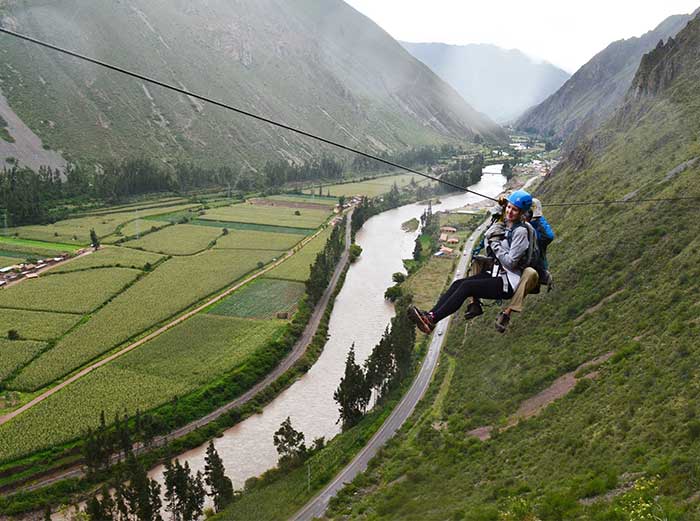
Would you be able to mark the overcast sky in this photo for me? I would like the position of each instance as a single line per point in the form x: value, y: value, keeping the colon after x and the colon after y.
x: 566, y: 34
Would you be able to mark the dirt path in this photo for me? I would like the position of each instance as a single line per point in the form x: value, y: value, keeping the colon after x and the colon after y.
x: 47, y: 268
x: 533, y: 406
x: 297, y: 352
x: 43, y: 396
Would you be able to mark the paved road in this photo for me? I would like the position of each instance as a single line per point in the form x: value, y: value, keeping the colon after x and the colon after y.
x: 297, y: 352
x: 318, y: 505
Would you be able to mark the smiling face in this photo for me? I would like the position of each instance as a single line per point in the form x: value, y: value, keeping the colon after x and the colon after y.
x: 513, y: 213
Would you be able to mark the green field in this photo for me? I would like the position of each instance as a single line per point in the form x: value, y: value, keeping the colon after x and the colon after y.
x: 174, y: 363
x: 78, y: 292
x: 262, y: 298
x: 143, y: 205
x: 36, y: 325
x: 372, y: 187
x: 134, y: 228
x: 253, y: 227
x: 172, y: 287
x: 271, y: 215
x: 77, y: 231
x: 179, y: 239
x: 10, y: 261
x: 109, y: 256
x: 36, y: 247
x: 331, y: 202
x: 14, y: 353
x: 256, y: 240
x: 298, y: 267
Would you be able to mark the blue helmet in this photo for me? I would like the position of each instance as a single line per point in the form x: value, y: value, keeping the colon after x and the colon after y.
x: 521, y: 199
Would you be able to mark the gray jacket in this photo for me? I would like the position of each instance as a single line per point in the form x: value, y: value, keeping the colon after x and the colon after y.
x: 509, y: 256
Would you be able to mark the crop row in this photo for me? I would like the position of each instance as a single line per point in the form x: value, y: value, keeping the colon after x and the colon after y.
x: 110, y: 256
x: 248, y: 239
x: 273, y: 215
x: 172, y: 287
x: 180, y: 239
x: 77, y: 231
x: 78, y: 292
x: 298, y: 267
x: 14, y: 353
x: 36, y: 325
x: 262, y: 298
x: 180, y: 360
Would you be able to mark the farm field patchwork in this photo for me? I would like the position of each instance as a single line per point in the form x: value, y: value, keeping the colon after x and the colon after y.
x: 262, y: 298
x: 178, y: 239
x: 109, y: 256
x: 36, y: 325
x: 169, y: 365
x: 135, y: 229
x: 77, y: 231
x: 172, y: 287
x: 253, y: 227
x: 32, y: 247
x: 372, y: 187
x: 298, y: 267
x: 272, y: 215
x: 331, y: 202
x: 256, y: 240
x: 78, y: 292
x: 14, y: 353
x: 143, y: 205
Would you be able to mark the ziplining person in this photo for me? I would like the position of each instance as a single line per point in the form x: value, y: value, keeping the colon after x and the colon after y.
x: 509, y: 241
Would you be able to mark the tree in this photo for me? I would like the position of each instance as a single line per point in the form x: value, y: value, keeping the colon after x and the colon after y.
x: 289, y: 444
x: 220, y: 486
x: 398, y: 277
x: 13, y: 334
x: 94, y: 239
x: 353, y: 392
x: 355, y: 252
x: 507, y: 170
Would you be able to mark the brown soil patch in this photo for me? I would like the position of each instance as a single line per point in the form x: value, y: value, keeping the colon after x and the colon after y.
x: 289, y: 204
x: 599, y: 305
x: 533, y: 406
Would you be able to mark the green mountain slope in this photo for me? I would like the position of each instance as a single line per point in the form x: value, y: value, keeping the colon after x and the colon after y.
x: 314, y: 64
x: 483, y: 75
x: 598, y: 88
x: 624, y: 443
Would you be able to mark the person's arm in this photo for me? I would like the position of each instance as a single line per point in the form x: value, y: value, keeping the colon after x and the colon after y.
x: 509, y: 256
x: 545, y: 229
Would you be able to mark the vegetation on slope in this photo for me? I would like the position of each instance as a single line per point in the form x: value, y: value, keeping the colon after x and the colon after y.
x: 627, y: 282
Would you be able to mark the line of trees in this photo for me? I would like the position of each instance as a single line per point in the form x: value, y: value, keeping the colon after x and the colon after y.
x: 389, y: 363
x: 278, y: 173
x: 323, y: 267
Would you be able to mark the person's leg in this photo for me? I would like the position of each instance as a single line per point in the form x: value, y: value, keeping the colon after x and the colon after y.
x: 454, y: 287
x: 482, y: 286
x: 528, y: 282
x: 478, y: 265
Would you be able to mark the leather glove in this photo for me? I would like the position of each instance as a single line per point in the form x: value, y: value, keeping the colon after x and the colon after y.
x: 495, y: 232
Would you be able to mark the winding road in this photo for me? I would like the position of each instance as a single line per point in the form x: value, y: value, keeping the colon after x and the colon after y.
x: 317, y: 506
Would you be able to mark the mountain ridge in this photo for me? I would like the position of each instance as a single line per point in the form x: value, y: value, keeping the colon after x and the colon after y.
x: 483, y: 74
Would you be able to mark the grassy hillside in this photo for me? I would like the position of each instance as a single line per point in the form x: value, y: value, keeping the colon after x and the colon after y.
x: 598, y: 88
x: 313, y: 64
x: 625, y: 442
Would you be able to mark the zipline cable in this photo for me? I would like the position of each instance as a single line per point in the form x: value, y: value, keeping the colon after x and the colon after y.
x: 235, y: 109
x: 309, y: 134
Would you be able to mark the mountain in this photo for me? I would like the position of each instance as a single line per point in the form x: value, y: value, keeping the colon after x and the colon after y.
x: 317, y: 65
x: 622, y: 440
x: 500, y: 83
x: 590, y: 96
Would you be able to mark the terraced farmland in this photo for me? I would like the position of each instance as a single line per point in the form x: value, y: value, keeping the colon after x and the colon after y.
x: 78, y: 292
x: 172, y: 287
x: 36, y: 325
x: 77, y: 231
x: 14, y: 353
x: 298, y: 267
x: 262, y: 298
x: 179, y: 239
x: 271, y: 215
x: 135, y: 228
x: 110, y: 256
x: 372, y: 187
x: 256, y: 240
x: 169, y: 365
x: 330, y: 202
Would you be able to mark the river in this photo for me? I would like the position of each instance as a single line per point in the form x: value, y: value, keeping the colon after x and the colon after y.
x: 360, y: 316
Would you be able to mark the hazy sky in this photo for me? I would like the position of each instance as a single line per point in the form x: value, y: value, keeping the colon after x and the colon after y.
x: 565, y: 33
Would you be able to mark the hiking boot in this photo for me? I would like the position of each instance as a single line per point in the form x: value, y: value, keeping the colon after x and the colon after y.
x: 421, y: 319
x: 474, y: 309
x: 502, y: 322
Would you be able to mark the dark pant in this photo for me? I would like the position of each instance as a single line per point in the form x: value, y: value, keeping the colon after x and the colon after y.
x: 482, y: 285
